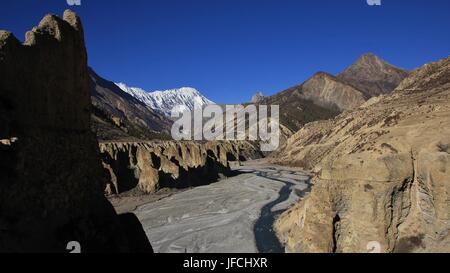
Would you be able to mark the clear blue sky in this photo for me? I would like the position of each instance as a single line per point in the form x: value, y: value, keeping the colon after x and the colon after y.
x: 228, y: 49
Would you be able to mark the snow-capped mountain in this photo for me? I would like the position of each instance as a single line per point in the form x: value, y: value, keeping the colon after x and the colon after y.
x: 165, y: 101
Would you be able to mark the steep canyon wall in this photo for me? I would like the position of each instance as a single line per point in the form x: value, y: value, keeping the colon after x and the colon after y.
x: 150, y: 166
x: 51, y: 178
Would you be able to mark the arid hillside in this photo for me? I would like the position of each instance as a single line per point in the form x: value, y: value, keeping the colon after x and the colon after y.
x: 382, y: 173
x: 324, y: 96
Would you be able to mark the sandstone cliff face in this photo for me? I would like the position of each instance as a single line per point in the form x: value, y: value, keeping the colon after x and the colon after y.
x: 150, y: 166
x: 382, y: 173
x: 51, y: 177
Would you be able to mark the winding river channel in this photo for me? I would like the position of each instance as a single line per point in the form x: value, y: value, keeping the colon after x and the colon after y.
x: 234, y: 215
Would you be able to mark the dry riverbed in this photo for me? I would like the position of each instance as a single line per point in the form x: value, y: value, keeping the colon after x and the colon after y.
x: 233, y: 215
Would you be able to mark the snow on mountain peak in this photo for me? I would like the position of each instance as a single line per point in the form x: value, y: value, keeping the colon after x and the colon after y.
x: 165, y: 101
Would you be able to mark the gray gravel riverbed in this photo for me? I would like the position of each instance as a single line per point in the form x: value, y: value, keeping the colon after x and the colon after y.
x: 233, y: 215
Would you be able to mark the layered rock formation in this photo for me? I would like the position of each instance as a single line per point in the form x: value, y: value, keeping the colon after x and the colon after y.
x: 150, y: 166
x: 119, y: 116
x: 382, y: 173
x: 328, y: 91
x: 373, y: 76
x: 51, y: 177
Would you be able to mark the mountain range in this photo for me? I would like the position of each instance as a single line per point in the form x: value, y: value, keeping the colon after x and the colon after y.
x: 323, y: 95
x: 116, y: 115
x: 121, y: 111
x: 374, y: 140
x: 180, y: 99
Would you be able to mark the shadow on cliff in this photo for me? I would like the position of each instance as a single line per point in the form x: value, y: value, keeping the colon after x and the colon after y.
x: 51, y: 177
x: 211, y: 172
x: 134, y: 167
x: 137, y: 239
x: 123, y: 172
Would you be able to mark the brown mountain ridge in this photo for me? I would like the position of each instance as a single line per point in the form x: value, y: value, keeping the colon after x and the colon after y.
x: 373, y: 76
x: 324, y: 96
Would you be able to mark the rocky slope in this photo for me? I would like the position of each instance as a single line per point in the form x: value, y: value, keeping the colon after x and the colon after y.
x: 164, y: 101
x: 119, y: 116
x: 373, y: 76
x: 329, y: 92
x: 324, y: 96
x: 295, y: 110
x: 382, y: 173
x: 150, y: 166
x: 51, y: 177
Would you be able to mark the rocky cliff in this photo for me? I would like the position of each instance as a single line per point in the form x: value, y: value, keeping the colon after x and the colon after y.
x: 382, y: 173
x: 150, y: 166
x: 51, y: 177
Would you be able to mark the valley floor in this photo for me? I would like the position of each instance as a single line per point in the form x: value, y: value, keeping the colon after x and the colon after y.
x: 234, y: 215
